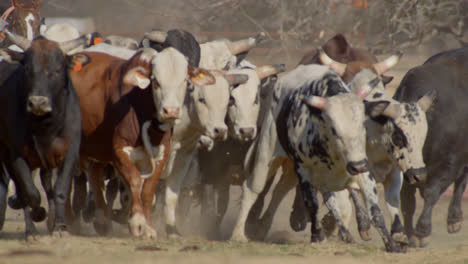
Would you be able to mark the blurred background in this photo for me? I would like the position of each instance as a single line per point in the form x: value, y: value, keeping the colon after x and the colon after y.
x: 293, y: 26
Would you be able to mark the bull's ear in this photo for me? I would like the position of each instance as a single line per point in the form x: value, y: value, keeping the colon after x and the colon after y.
x: 375, y: 108
x: 137, y: 76
x: 77, y: 61
x: 200, y: 76
x: 11, y: 56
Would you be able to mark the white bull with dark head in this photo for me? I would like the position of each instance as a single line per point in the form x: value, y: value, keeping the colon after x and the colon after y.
x: 316, y: 124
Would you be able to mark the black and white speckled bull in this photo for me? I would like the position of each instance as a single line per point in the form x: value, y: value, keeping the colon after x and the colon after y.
x: 395, y: 140
x: 316, y: 125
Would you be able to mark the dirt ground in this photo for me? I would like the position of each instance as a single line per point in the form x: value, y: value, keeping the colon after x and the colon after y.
x: 283, y: 245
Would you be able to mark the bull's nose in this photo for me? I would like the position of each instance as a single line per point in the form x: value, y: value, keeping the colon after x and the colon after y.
x: 220, y: 133
x: 356, y: 167
x: 247, y: 132
x: 38, y: 105
x: 170, y: 113
x: 413, y: 176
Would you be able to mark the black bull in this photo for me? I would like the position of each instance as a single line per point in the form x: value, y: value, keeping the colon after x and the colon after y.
x: 40, y: 125
x: 446, y: 147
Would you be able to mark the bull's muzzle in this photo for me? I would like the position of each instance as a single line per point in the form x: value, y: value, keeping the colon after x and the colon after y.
x: 357, y: 167
x: 38, y: 105
x: 170, y: 113
x: 413, y: 176
x: 247, y: 133
x: 220, y: 133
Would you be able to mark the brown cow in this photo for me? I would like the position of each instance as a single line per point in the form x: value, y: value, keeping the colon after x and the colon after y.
x: 338, y: 49
x: 115, y: 112
x: 24, y: 20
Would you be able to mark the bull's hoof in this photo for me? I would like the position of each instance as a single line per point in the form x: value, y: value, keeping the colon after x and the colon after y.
x: 239, y: 237
x: 317, y: 237
x: 345, y: 236
x: 137, y: 225
x: 15, y: 203
x: 454, y: 228
x: 150, y: 233
x: 365, y: 235
x: 38, y: 214
x: 31, y: 234
x: 393, y: 247
x: 60, y: 231
x: 400, y: 238
x: 418, y: 242
x: 172, y: 232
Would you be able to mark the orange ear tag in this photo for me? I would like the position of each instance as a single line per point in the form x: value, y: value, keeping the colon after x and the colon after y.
x: 78, y: 66
x: 97, y: 40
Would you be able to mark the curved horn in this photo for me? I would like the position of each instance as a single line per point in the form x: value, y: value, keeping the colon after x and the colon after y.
x: 72, y: 44
x: 314, y: 101
x: 385, y: 65
x: 244, y: 45
x: 234, y: 79
x: 269, y: 70
x: 20, y: 41
x: 427, y: 100
x: 364, y: 91
x: 156, y: 36
x: 338, y: 67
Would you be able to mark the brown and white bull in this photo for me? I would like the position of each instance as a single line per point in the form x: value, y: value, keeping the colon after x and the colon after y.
x: 128, y: 108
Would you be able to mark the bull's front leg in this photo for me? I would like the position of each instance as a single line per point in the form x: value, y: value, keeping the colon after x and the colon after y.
x: 65, y: 173
x: 46, y: 181
x: 174, y: 181
x: 369, y: 191
x: 362, y: 217
x: 132, y: 177
x: 393, y: 183
x: 149, y: 187
x: 332, y: 204
x: 455, y: 213
x: 309, y: 192
x: 102, y: 223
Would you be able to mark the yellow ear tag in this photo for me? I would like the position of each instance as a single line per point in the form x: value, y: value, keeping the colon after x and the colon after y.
x: 201, y: 75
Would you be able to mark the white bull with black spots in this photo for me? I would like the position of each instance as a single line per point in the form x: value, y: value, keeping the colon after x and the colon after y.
x: 316, y: 124
x: 395, y: 139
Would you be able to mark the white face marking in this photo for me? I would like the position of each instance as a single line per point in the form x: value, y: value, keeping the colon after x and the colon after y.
x: 29, y: 28
x: 142, y: 161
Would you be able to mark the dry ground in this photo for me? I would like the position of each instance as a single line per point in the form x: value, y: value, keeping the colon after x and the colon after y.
x: 283, y: 246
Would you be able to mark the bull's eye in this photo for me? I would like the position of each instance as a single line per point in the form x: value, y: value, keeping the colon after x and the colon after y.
x: 256, y: 99
x: 399, y: 139
x: 232, y: 101
x: 202, y: 100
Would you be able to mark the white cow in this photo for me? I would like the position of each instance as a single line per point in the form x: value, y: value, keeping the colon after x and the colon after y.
x: 318, y: 126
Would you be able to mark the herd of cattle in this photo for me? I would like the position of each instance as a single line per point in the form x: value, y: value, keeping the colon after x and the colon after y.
x: 120, y: 115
